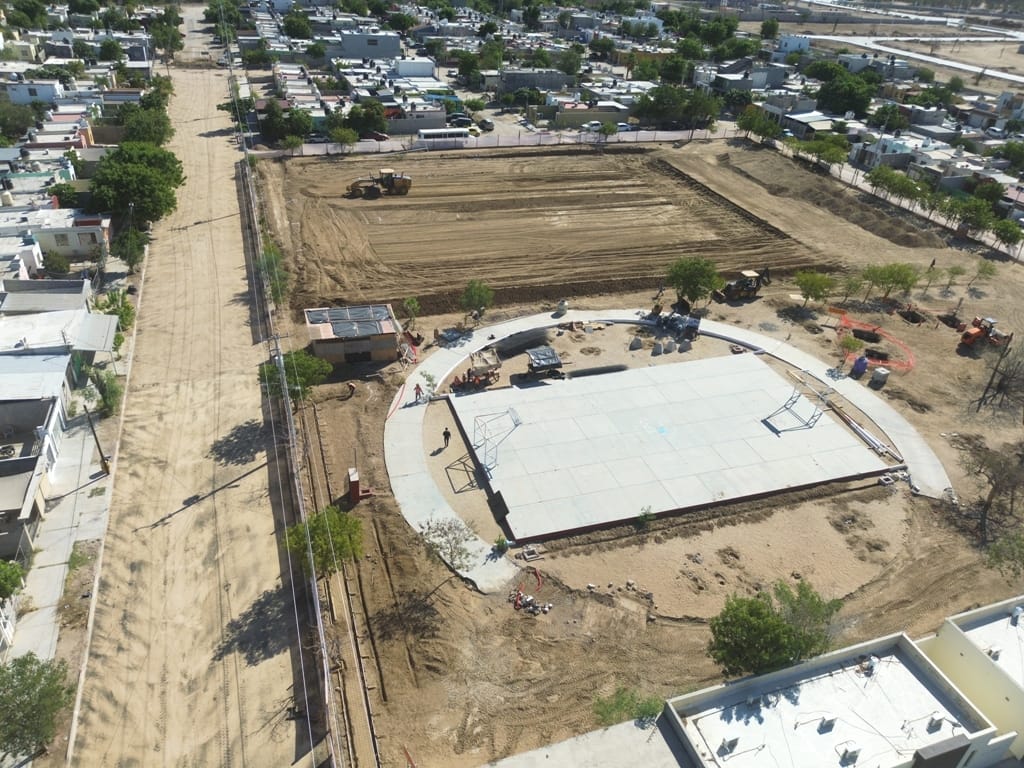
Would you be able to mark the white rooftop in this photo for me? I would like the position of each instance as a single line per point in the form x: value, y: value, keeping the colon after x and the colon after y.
x: 32, y: 377
x: 998, y: 629
x: 809, y: 716
x: 595, y: 450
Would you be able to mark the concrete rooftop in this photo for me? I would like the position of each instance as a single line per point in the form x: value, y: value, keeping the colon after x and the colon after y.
x: 811, y: 715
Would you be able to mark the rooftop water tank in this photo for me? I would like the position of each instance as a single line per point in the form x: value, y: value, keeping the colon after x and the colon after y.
x: 6, y: 199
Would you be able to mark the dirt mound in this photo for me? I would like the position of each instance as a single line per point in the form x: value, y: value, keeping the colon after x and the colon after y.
x: 782, y: 177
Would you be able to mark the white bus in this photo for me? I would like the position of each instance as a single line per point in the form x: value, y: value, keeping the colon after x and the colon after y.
x: 442, y: 134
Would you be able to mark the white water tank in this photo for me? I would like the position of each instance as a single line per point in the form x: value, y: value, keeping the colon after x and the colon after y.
x: 6, y: 199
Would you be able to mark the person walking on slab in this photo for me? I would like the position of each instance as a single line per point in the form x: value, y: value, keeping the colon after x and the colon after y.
x: 447, y: 435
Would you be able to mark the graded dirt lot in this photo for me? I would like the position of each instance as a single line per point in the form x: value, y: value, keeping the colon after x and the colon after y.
x: 530, y: 224
x: 463, y: 678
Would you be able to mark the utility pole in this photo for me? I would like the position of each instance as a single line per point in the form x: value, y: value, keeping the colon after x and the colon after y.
x: 104, y: 465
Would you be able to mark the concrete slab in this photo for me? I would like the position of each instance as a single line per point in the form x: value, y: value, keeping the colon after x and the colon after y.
x: 620, y: 745
x: 36, y: 632
x: 403, y: 438
x: 722, y: 441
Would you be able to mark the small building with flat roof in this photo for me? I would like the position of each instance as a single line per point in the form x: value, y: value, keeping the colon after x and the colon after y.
x: 354, y: 334
x: 882, y: 704
x: 982, y: 652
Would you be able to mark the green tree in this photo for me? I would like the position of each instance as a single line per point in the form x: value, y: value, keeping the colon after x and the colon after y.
x: 110, y: 50
x: 83, y: 7
x: 602, y: 46
x: 490, y: 55
x: 486, y: 29
x: 411, y: 306
x: 325, y: 540
x: 447, y: 539
x: 888, y: 118
x: 302, y: 372
x: 952, y: 273
x: 366, y: 117
x: 66, y: 194
x: 296, y: 25
x: 166, y: 39
x: 137, y: 174
x: 291, y: 142
x: 752, y: 635
x: 401, y: 22
x: 924, y: 75
x: 116, y: 302
x: 769, y: 29
x: 568, y: 62
x: 130, y: 246
x: 693, y: 278
x: 690, y: 48
x: 983, y: 270
x: 851, y: 284
x: 223, y: 11
x: 477, y: 297
x: 1007, y: 232
x: 846, y: 93
x: 300, y: 122
x: 344, y: 136
x: 273, y: 124
x: 814, y: 285
x: 15, y: 120
x: 531, y: 17
x: 1006, y: 554
x: 33, y: 692
x: 151, y: 126
x: 316, y: 50
x: 12, y: 577
x: 955, y: 84
x: 753, y: 120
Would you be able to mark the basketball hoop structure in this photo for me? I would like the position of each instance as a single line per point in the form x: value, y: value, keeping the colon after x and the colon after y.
x: 489, y: 431
x: 797, y: 417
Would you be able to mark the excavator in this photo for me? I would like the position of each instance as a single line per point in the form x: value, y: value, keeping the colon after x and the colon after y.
x: 388, y: 183
x: 745, y: 286
x: 985, y: 328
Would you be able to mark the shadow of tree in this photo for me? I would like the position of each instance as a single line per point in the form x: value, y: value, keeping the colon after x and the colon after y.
x: 411, y: 614
x: 260, y: 632
x: 241, y: 445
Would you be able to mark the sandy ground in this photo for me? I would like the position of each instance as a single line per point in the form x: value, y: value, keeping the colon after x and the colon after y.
x: 191, y: 657
x: 525, y: 222
x: 465, y: 679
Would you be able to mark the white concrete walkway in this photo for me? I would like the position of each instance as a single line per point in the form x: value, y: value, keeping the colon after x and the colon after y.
x: 421, y: 500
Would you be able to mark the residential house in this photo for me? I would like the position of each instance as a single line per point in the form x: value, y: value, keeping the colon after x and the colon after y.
x: 41, y: 356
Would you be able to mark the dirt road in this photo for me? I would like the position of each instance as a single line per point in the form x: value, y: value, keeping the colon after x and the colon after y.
x: 191, y: 659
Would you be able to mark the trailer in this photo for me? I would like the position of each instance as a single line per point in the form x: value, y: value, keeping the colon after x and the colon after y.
x: 544, y: 361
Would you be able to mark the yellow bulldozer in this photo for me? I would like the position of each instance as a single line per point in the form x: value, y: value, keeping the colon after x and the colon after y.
x: 387, y: 183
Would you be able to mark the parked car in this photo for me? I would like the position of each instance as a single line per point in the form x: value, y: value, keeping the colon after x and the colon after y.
x: 474, y: 131
x: 460, y: 122
x: 375, y: 136
x: 316, y: 138
x: 624, y: 127
x: 455, y: 115
x: 593, y: 126
x: 485, y: 124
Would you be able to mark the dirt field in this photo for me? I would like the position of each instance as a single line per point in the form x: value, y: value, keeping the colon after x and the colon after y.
x: 463, y: 679
x: 531, y: 224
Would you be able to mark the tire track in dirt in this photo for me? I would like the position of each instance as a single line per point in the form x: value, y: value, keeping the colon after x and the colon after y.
x: 527, y: 228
